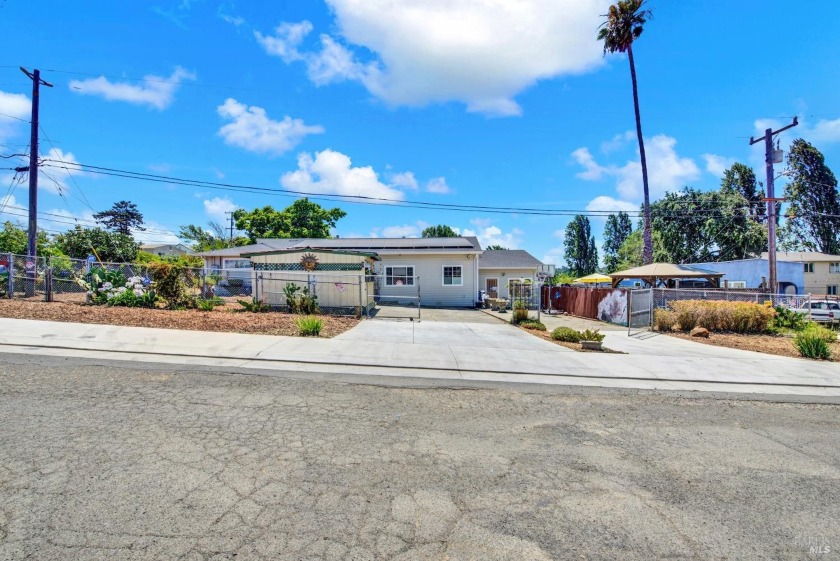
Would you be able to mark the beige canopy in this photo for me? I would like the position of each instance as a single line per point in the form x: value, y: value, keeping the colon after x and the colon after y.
x: 658, y: 272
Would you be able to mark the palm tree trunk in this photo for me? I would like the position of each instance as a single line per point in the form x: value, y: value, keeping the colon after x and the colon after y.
x: 647, y: 235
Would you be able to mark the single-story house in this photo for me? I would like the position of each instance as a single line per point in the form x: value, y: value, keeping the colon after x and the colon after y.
x: 498, y: 269
x: 754, y: 273
x: 440, y: 271
x: 165, y: 250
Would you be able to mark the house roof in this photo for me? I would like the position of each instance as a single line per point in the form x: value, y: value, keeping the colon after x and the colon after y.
x: 382, y: 246
x: 156, y: 245
x: 803, y: 256
x: 508, y: 259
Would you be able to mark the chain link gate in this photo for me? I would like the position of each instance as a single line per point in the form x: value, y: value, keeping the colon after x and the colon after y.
x: 394, y: 297
x: 639, y: 309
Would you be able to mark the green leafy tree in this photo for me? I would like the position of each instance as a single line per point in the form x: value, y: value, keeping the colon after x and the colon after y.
x: 109, y: 246
x: 740, y: 178
x: 123, y: 217
x: 439, y: 231
x: 14, y: 239
x: 495, y: 247
x: 630, y: 252
x: 813, y: 215
x: 617, y: 229
x: 624, y: 24
x: 303, y: 219
x: 581, y: 253
x: 208, y: 240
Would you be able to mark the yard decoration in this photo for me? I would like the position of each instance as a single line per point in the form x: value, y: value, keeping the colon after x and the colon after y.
x: 309, y: 262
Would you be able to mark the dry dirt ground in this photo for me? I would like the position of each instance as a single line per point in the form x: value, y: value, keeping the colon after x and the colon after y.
x: 228, y: 318
x: 770, y: 344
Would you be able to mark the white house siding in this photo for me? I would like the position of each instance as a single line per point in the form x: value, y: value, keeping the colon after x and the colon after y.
x: 504, y: 275
x: 430, y: 270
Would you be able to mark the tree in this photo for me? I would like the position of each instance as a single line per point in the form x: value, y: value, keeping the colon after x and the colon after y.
x: 630, y: 252
x: 439, y: 231
x: 615, y: 232
x: 109, y: 246
x: 123, y: 217
x: 813, y: 214
x: 303, y: 219
x: 625, y: 23
x: 494, y: 247
x: 14, y: 239
x: 581, y: 254
x: 208, y: 240
x: 740, y: 178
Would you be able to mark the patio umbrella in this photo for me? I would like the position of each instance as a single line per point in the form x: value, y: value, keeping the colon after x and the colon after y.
x: 594, y: 278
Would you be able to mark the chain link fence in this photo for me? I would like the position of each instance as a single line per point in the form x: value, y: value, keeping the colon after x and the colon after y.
x: 303, y: 292
x: 393, y: 297
x: 662, y: 297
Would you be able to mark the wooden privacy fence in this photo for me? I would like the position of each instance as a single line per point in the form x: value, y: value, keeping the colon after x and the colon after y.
x: 605, y: 304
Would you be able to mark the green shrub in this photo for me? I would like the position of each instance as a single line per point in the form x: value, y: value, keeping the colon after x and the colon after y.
x: 255, y: 306
x: 591, y: 335
x: 519, y: 315
x: 171, y: 285
x: 533, y: 324
x: 206, y: 305
x: 787, y: 319
x: 309, y: 326
x: 812, y: 344
x: 816, y: 330
x: 566, y: 334
x: 299, y: 301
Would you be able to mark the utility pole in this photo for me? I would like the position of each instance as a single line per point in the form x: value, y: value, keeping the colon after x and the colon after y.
x: 230, y: 213
x: 32, y: 238
x: 769, y: 159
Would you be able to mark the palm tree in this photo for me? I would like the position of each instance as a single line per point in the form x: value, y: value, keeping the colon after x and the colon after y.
x: 625, y: 23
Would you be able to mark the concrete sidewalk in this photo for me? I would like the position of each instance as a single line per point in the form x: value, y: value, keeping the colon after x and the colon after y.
x: 445, y: 351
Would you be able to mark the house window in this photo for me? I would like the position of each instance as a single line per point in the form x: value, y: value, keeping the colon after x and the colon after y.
x: 453, y: 276
x: 831, y: 290
x: 809, y: 267
x: 237, y: 263
x: 399, y: 276
x: 737, y: 284
x: 834, y: 268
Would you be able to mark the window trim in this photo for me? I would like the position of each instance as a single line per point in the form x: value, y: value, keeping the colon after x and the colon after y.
x: 833, y: 268
x: 412, y: 277
x: 809, y: 267
x: 828, y: 291
x: 443, y: 275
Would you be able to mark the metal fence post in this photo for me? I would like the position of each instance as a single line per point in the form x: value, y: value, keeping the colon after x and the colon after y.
x: 48, y: 297
x: 11, y: 269
x: 361, y: 295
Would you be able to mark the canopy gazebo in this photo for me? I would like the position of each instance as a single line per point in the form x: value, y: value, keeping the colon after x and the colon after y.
x: 657, y: 274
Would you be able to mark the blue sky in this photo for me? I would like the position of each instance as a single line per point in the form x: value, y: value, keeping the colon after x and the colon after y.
x: 504, y: 103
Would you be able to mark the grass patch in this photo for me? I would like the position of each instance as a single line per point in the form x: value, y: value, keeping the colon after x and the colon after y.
x: 309, y: 326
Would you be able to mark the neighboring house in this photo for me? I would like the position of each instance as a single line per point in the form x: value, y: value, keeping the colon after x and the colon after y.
x: 754, y: 273
x: 821, y: 270
x: 165, y: 250
x: 498, y: 268
x: 442, y: 271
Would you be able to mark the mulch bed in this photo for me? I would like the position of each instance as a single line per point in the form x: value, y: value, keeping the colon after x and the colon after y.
x: 770, y: 344
x: 229, y: 318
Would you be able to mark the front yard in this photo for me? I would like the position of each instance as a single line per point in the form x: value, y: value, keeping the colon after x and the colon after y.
x: 228, y: 318
x: 762, y: 343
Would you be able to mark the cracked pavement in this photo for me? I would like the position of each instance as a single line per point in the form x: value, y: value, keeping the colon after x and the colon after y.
x: 139, y: 461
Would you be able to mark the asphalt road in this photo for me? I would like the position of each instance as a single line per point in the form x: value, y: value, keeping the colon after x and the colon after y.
x: 116, y: 461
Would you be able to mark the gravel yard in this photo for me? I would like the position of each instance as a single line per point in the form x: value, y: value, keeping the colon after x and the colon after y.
x: 770, y: 344
x: 229, y: 318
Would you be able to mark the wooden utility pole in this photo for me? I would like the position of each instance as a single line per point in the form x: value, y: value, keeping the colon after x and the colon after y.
x: 230, y: 241
x: 771, y: 200
x: 32, y: 237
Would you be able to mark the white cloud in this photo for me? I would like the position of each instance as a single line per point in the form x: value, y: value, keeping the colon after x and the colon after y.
x: 157, y: 234
x: 332, y: 172
x: 405, y: 180
x: 824, y: 131
x: 493, y: 235
x: 481, y: 222
x: 667, y: 171
x: 250, y: 128
x: 438, y: 186
x: 217, y: 207
x: 58, y: 168
x: 477, y: 52
x: 556, y: 255
x: 618, y: 141
x: 717, y: 165
x: 13, y: 107
x: 605, y: 203
x: 155, y: 91
x: 404, y: 231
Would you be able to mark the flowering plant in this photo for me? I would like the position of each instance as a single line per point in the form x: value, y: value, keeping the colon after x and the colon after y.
x: 112, y: 288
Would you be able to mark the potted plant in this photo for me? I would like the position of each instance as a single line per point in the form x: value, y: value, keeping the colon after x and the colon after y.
x: 591, y: 340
